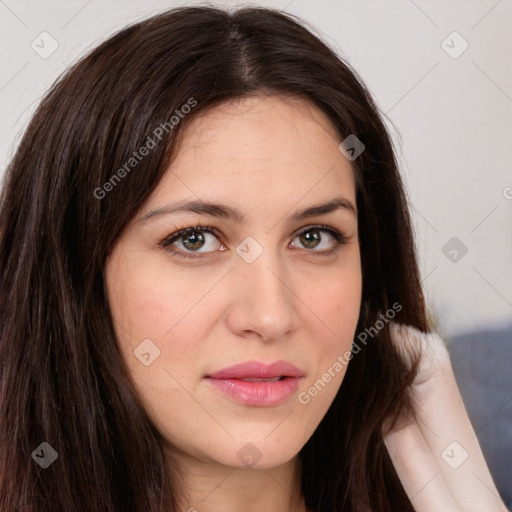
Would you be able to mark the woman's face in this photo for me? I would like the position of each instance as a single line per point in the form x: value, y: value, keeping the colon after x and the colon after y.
x: 260, y: 289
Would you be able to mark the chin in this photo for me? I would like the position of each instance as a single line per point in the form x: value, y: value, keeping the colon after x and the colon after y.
x: 255, y: 453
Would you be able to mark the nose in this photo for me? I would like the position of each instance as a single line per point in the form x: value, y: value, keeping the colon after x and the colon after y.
x: 264, y: 301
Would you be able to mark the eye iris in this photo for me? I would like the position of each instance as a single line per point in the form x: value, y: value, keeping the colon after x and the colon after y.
x: 310, y: 239
x: 193, y: 237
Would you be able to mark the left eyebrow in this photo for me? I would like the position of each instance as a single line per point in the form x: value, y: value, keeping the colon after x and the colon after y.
x: 227, y: 212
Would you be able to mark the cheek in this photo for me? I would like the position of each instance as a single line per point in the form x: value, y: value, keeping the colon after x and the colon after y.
x: 163, y: 307
x: 335, y: 301
x: 337, y: 307
x: 175, y: 311
x: 154, y: 301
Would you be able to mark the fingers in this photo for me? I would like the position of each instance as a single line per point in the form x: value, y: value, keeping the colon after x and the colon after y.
x: 446, y: 429
x: 418, y: 471
x: 411, y: 342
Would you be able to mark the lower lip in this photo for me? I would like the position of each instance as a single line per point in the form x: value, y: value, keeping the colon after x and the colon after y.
x: 257, y: 394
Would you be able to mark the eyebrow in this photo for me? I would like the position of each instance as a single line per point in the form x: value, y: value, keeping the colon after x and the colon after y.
x: 227, y: 212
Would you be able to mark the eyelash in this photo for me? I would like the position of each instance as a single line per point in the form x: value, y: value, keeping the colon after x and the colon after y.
x: 166, y: 243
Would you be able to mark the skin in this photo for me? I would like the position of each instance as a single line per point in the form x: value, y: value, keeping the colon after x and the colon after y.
x: 437, y: 455
x: 268, y: 157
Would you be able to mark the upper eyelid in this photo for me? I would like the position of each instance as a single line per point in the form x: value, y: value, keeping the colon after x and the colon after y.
x: 170, y: 239
x: 215, y: 231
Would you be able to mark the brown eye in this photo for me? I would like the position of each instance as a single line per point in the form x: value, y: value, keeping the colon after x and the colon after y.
x: 191, y: 240
x: 312, y: 238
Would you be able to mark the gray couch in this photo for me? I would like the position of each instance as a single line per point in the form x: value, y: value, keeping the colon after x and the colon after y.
x: 482, y: 363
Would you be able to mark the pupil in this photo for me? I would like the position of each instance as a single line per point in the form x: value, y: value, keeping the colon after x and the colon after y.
x: 195, y: 237
x: 311, y: 239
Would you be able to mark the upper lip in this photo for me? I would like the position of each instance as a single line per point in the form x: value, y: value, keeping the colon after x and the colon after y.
x: 256, y: 370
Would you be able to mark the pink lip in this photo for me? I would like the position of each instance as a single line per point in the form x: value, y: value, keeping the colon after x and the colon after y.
x: 255, y: 370
x: 259, y: 394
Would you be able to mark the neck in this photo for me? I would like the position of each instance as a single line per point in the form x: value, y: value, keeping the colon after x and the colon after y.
x: 213, y: 487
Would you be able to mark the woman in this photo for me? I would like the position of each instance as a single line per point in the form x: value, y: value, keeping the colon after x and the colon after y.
x: 210, y: 297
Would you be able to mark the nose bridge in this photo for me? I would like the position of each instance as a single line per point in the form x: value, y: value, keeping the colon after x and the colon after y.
x: 262, y: 268
x: 265, y: 300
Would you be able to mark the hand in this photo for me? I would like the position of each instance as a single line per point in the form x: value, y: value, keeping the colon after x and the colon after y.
x: 437, y: 456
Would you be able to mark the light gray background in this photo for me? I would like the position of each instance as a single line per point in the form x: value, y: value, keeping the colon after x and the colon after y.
x: 451, y: 117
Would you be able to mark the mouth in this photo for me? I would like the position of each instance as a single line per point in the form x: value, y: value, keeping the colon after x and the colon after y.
x: 254, y: 379
x: 255, y: 384
x: 256, y: 392
x: 254, y: 370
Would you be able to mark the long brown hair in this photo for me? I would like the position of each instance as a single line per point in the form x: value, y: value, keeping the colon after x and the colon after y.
x: 62, y: 377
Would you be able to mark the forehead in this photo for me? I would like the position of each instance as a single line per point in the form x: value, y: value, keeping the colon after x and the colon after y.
x: 256, y: 151
x: 266, y: 128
